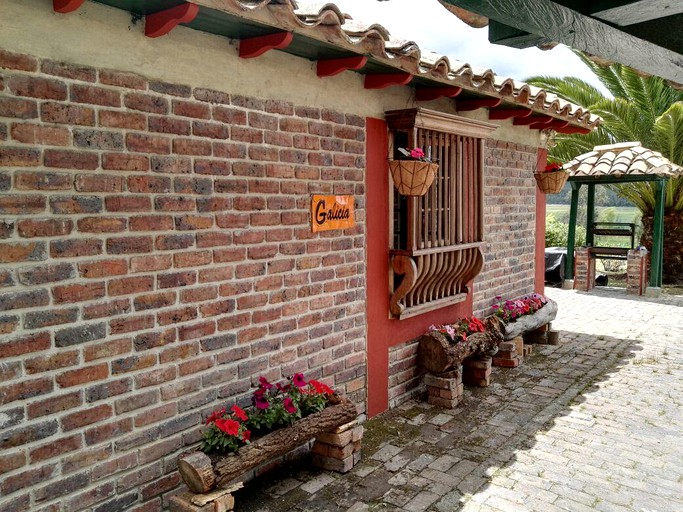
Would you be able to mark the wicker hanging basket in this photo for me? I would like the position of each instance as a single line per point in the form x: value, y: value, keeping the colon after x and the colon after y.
x: 551, y: 182
x: 412, y: 177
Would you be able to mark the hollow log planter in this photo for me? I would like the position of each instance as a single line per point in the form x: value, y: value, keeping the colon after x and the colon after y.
x: 201, y: 474
x: 438, y: 354
x: 532, y: 322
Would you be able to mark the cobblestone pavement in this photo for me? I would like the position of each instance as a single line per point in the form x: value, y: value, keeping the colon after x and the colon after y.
x: 595, y: 423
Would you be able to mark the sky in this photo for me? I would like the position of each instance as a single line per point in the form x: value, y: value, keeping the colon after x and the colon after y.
x: 434, y: 28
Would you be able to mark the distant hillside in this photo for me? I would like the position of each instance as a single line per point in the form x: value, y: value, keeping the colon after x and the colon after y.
x: 603, y: 197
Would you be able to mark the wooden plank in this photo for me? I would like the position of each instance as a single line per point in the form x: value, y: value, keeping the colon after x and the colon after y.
x: 556, y: 22
x: 624, y: 13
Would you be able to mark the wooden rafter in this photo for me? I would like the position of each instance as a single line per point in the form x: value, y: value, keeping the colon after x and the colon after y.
x: 467, y: 105
x: 380, y: 81
x: 508, y: 113
x: 65, y: 6
x: 161, y: 23
x: 433, y: 93
x: 333, y: 67
x: 256, y: 46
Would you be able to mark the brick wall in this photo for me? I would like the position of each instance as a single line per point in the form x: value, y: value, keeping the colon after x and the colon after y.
x: 405, y: 374
x: 509, y: 224
x: 156, y: 258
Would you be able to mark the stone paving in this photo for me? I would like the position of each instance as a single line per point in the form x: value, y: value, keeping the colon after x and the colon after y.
x: 595, y: 423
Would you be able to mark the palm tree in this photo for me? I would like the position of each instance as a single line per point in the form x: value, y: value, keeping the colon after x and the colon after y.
x: 644, y: 109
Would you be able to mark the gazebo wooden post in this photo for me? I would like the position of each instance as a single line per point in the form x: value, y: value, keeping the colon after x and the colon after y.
x: 657, y: 261
x: 573, y: 210
x: 590, y: 214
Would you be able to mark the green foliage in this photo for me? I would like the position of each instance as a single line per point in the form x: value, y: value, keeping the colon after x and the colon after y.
x: 556, y: 233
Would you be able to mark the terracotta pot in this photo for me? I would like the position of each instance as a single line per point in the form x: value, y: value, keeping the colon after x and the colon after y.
x: 412, y: 177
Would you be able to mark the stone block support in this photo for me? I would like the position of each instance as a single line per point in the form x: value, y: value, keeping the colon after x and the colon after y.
x: 508, y: 355
x: 445, y: 389
x: 636, y: 271
x: 340, y: 449
x: 477, y: 372
x: 584, y: 269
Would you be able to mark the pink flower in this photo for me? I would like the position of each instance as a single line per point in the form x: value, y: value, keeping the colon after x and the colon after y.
x: 298, y: 380
x: 417, y: 153
x: 239, y: 412
x: 263, y: 382
x: 260, y: 402
x: 289, y: 405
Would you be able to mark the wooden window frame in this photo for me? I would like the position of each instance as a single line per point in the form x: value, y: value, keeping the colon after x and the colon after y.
x: 437, y: 237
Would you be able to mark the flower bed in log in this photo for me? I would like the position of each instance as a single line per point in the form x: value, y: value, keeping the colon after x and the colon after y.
x: 296, y: 413
x: 524, y: 314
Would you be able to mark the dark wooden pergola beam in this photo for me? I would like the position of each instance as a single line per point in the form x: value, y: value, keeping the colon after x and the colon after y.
x: 554, y: 22
x: 630, y: 12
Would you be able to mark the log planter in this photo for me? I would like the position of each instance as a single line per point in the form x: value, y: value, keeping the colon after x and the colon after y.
x: 438, y: 354
x: 527, y: 323
x: 202, y: 473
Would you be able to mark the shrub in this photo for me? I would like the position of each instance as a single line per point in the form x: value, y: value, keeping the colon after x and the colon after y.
x: 556, y: 233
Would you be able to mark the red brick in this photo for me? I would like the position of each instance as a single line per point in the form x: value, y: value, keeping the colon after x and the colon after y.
x: 130, y: 285
x: 200, y: 294
x: 156, y: 415
x: 154, y: 301
x: 128, y: 203
x: 8, y: 324
x: 122, y: 79
x: 215, y: 308
x: 177, y: 315
x: 191, y: 109
x: 216, y: 274
x: 151, y: 223
x: 229, y: 150
x: 42, y: 274
x: 49, y: 363
x: 108, y: 431
x: 37, y: 87
x: 229, y: 255
x: 11, y: 461
x: 210, y: 130
x: 78, y: 292
x: 68, y: 159
x: 107, y: 349
x: 115, y: 307
x: 101, y: 225
x: 126, y: 120
x: 146, y: 103
x: 149, y: 184
x: 171, y: 165
x: 125, y: 162
x: 213, y: 239
x: 19, y: 157
x: 10, y: 60
x: 212, y: 167
x: 24, y: 299
x: 103, y: 268
x: 26, y: 479
x: 64, y: 70
x: 66, y: 114
x: 29, y: 180
x: 211, y: 96
x: 149, y: 340
x: 175, y: 204
x: 142, y: 143
x: 25, y: 344
x: 155, y: 377
x: 195, y: 366
x: 249, y: 169
x: 75, y: 204
x: 151, y: 263
x: 22, y: 204
x: 83, y: 375
x: 37, y: 134
x: 162, y: 124
x: 22, y: 251
x: 95, y: 95
x: 177, y: 279
x: 191, y: 147
x: 130, y: 324
x: 54, y: 404
x: 183, y: 185
x: 86, y: 417
x: 129, y: 245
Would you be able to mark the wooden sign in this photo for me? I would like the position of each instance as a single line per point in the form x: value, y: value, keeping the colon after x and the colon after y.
x: 332, y: 212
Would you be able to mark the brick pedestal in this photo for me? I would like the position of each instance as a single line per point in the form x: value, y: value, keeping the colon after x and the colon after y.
x: 445, y: 389
x: 508, y: 355
x: 584, y: 270
x: 538, y: 336
x: 636, y: 271
x: 221, y: 500
x: 338, y: 450
x: 477, y: 372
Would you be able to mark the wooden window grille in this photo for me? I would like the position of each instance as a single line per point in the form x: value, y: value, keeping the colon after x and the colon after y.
x: 437, y: 238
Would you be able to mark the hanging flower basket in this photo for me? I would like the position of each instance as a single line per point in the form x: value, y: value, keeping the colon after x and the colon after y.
x: 412, y: 177
x: 551, y: 182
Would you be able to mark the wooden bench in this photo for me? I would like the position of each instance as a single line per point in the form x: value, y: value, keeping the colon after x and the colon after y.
x: 622, y: 229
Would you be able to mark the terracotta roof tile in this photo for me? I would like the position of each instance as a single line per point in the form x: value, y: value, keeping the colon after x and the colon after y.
x: 625, y: 158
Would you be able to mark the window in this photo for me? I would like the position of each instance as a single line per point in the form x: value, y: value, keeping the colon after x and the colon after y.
x: 436, y: 238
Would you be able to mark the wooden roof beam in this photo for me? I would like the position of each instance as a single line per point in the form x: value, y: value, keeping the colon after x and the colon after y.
x: 256, y: 46
x: 65, y: 6
x: 508, y: 113
x: 573, y: 129
x: 555, y: 22
x: 526, y: 121
x: 161, y: 23
x: 433, y: 93
x: 630, y: 12
x: 382, y: 80
x: 467, y: 105
x: 333, y: 67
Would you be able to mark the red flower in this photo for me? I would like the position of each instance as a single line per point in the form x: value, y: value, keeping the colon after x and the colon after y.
x: 246, y: 435
x: 263, y: 382
x: 321, y: 388
x: 239, y: 412
x: 230, y: 427
x: 298, y: 380
x: 215, y: 415
x: 289, y: 405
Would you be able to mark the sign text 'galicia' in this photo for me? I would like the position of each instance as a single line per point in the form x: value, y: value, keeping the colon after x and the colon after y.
x: 332, y: 212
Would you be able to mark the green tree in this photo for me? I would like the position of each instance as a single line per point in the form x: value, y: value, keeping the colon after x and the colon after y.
x: 644, y: 109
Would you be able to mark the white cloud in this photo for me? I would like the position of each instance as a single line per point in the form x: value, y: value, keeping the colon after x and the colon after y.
x: 432, y: 27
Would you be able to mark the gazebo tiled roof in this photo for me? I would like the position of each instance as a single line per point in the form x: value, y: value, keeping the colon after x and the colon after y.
x: 623, y: 159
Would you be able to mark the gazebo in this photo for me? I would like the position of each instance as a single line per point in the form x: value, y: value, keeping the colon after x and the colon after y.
x: 625, y: 162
